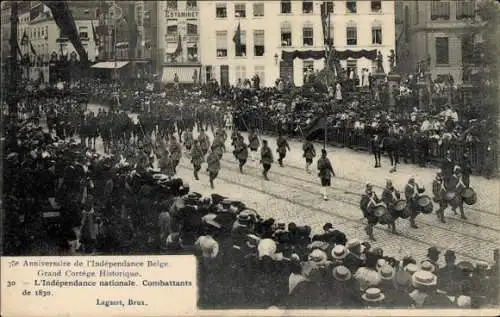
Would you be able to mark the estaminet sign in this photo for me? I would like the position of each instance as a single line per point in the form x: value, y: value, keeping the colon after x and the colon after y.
x: 181, y: 14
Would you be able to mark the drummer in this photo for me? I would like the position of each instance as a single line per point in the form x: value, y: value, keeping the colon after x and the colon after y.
x: 368, y: 202
x: 390, y: 196
x: 457, y: 185
x: 411, y: 193
x: 439, y: 191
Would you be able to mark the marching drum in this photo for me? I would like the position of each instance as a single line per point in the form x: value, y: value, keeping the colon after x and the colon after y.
x: 380, y: 210
x: 469, y: 196
x: 424, y: 204
x: 400, y: 205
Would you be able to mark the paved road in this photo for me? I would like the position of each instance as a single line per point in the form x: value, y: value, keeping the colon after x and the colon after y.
x: 293, y: 195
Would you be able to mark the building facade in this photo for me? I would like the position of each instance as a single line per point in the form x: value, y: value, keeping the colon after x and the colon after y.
x: 267, y: 29
x: 434, y: 32
x: 46, y: 42
x: 178, y: 34
x: 362, y: 25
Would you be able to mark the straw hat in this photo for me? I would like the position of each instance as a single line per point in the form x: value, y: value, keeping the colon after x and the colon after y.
x: 423, y: 278
x: 353, y: 243
x: 266, y: 247
x: 411, y: 268
x: 341, y: 273
x: 339, y: 252
x: 427, y: 266
x: 373, y: 295
x: 317, y: 256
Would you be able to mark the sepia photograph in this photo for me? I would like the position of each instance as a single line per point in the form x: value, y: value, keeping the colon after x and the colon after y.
x: 308, y: 154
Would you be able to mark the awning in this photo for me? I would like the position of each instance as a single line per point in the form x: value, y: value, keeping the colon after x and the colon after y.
x: 110, y: 65
x: 185, y: 74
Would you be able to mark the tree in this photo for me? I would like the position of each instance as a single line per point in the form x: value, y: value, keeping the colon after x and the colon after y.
x: 480, y: 61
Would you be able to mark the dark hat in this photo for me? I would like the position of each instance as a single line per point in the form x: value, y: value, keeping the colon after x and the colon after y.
x: 323, y: 151
x: 327, y: 226
x: 433, y: 250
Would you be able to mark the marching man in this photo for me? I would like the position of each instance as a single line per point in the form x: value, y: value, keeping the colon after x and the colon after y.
x: 325, y: 173
x: 309, y: 154
x: 411, y: 194
x: 439, y: 191
x: 283, y: 146
x: 368, y: 202
x: 390, y: 196
x: 253, y: 143
x: 175, y: 152
x: 266, y: 158
x: 457, y: 185
x: 196, y: 158
x: 213, y: 162
x: 240, y: 152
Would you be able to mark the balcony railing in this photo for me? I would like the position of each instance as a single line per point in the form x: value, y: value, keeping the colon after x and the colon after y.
x: 440, y: 10
x: 465, y: 10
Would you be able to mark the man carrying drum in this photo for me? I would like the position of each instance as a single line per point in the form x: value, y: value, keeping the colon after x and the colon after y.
x: 369, y: 201
x: 392, y: 198
x: 456, y: 185
x: 439, y: 191
x: 411, y: 193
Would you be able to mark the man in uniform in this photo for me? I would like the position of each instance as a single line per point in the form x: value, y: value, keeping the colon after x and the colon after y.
x: 325, y: 173
x: 368, y: 201
x: 390, y: 196
x: 188, y: 139
x: 267, y: 158
x: 213, y: 167
x: 283, y: 146
x: 196, y: 158
x: 218, y: 146
x: 240, y: 152
x: 175, y: 150
x: 457, y: 185
x: 466, y: 167
x: 439, y: 190
x: 411, y: 195
x: 309, y: 154
x: 375, y: 145
x: 204, y: 141
x: 254, y: 143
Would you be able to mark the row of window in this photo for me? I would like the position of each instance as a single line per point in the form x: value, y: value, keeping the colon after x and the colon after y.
x: 286, y: 8
x: 173, y: 29
x: 440, y: 10
x: 241, y: 73
x: 38, y: 33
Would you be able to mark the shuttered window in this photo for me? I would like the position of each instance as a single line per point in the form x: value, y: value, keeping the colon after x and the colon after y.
x: 258, y: 42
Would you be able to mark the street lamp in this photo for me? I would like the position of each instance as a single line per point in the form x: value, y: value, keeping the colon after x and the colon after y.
x: 276, y: 58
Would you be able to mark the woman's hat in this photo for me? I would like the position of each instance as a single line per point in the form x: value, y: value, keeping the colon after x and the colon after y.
x: 427, y: 266
x: 208, y: 246
x: 386, y: 272
x: 317, y: 256
x: 465, y: 266
x: 341, y: 273
x: 373, y: 295
x: 244, y: 216
x: 339, y: 252
x: 411, y: 268
x: 423, y: 278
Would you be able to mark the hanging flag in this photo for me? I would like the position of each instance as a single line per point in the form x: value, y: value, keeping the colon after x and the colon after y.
x: 32, y: 49
x: 237, y: 40
x: 94, y: 34
x: 178, y: 50
x: 24, y: 39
